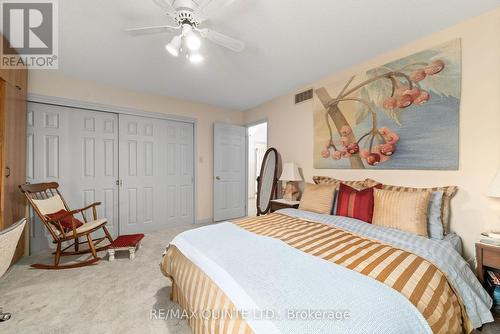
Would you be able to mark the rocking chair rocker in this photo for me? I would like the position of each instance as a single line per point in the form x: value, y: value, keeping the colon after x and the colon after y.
x: 59, y: 220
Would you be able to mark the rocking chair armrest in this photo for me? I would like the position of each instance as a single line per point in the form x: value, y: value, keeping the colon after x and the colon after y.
x: 89, y: 206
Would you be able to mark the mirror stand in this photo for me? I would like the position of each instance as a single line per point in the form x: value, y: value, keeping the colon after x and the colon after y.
x: 267, y: 181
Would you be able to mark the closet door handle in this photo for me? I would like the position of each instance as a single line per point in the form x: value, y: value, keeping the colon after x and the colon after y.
x: 7, y: 171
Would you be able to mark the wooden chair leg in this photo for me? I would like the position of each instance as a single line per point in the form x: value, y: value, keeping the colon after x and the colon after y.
x: 108, y: 235
x: 57, y: 256
x: 91, y: 246
x: 77, y: 246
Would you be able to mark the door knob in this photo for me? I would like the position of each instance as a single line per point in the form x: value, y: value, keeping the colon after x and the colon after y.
x: 217, y: 178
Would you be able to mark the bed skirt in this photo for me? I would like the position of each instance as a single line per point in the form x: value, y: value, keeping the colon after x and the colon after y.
x: 206, y: 308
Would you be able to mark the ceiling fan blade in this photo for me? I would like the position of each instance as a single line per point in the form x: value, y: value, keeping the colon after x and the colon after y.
x: 223, y: 40
x: 166, y: 5
x: 207, y: 8
x: 153, y: 29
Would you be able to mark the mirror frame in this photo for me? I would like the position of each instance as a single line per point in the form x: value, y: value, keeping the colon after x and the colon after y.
x: 275, y: 181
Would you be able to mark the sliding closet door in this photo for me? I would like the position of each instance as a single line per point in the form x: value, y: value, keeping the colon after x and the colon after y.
x: 156, y: 173
x: 78, y: 149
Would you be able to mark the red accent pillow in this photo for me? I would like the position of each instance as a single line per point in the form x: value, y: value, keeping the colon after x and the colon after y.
x: 65, y: 222
x: 356, y: 203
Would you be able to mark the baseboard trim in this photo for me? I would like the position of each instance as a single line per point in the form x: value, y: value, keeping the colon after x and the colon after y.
x: 204, y: 221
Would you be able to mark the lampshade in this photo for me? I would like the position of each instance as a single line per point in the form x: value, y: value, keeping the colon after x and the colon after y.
x: 174, y: 46
x: 290, y: 172
x: 494, y: 189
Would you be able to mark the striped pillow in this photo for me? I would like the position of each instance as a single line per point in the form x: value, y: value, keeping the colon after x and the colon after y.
x: 355, y: 203
x: 317, y: 198
x: 330, y: 180
x: 358, y: 185
x: 406, y: 211
x: 448, y: 193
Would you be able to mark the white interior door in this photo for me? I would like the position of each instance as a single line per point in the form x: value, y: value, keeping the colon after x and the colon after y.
x: 78, y: 149
x: 156, y: 173
x: 229, y: 171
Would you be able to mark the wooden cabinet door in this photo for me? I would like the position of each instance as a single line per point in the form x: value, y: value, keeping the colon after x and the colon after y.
x: 14, y: 157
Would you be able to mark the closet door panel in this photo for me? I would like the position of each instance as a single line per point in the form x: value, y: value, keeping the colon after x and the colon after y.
x: 180, y: 172
x: 47, y: 143
x: 142, y: 184
x: 94, y: 135
x: 156, y: 169
x: 78, y: 149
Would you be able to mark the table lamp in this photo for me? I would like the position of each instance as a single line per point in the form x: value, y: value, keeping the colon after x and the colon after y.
x: 291, y: 176
x: 494, y: 191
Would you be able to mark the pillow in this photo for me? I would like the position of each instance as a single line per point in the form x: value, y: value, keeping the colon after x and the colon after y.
x: 65, y: 222
x: 434, y: 223
x: 448, y: 193
x: 337, y: 182
x: 406, y: 211
x: 49, y: 205
x: 330, y: 180
x: 355, y: 203
x: 317, y: 198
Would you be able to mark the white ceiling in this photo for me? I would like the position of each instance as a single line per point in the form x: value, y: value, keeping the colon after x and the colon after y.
x: 290, y: 43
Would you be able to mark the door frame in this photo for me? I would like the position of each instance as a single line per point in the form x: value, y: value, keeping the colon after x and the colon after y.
x: 247, y: 151
x: 72, y: 103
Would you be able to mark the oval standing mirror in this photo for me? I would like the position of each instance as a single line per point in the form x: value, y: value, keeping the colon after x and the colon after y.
x: 267, y: 181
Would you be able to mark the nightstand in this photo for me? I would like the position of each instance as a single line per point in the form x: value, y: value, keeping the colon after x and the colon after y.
x: 488, y: 257
x: 278, y: 204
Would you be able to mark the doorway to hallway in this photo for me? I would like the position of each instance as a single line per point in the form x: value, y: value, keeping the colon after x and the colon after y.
x: 257, y: 146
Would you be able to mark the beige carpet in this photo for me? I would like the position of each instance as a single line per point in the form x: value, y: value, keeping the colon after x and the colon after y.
x: 110, y: 297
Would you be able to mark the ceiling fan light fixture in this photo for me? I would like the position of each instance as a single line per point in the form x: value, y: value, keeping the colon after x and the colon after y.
x: 174, y: 46
x: 193, y: 41
x: 196, y: 58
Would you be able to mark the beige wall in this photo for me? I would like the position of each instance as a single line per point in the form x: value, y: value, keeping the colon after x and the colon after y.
x: 291, y: 127
x: 50, y: 83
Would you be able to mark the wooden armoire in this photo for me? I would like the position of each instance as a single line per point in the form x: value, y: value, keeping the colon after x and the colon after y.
x: 13, y: 95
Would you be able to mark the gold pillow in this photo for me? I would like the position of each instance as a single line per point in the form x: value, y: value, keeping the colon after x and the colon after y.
x: 448, y: 193
x: 318, y: 198
x: 406, y: 211
x: 359, y: 185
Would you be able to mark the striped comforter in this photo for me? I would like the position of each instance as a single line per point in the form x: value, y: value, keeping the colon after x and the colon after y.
x: 417, y: 279
x: 423, y: 284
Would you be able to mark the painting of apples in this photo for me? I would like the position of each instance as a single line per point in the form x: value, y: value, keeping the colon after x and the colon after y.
x: 402, y: 115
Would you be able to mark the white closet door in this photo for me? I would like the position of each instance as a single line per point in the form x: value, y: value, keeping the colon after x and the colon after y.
x: 94, y: 163
x: 78, y: 149
x: 179, y: 161
x: 156, y: 172
x: 230, y: 198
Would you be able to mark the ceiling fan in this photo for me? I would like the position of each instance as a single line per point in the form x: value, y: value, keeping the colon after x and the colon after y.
x: 188, y: 16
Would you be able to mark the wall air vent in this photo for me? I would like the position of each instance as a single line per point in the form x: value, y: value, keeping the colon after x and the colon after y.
x: 303, y: 96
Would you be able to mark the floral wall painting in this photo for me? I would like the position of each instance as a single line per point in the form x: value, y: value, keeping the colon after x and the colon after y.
x: 403, y: 115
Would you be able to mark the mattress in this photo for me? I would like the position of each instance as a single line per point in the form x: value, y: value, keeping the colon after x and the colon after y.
x: 261, y: 273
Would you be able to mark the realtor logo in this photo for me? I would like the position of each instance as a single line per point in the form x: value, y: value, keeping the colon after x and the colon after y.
x: 31, y: 34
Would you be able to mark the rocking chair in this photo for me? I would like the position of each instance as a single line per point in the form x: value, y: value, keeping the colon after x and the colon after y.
x: 59, y: 220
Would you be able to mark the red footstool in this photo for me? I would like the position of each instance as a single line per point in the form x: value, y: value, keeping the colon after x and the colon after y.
x: 129, y: 242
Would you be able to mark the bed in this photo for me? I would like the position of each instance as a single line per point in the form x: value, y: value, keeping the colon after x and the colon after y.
x: 295, y: 271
